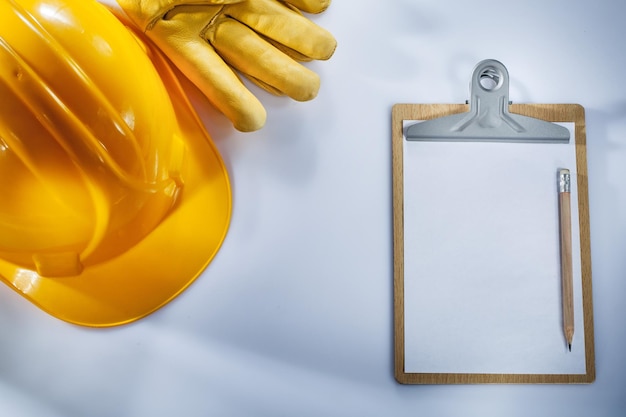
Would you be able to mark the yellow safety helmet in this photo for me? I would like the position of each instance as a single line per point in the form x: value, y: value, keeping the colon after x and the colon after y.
x: 113, y: 198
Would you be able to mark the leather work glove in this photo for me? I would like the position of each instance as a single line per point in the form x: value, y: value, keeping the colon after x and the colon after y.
x: 262, y: 39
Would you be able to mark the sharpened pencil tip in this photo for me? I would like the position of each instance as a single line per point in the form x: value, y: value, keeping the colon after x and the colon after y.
x: 569, y: 345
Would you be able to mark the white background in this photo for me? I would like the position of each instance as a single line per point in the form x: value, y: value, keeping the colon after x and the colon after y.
x: 294, y: 315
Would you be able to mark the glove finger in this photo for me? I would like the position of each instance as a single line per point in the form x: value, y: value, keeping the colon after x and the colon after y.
x: 285, y: 26
x: 203, y: 66
x: 310, y: 6
x: 246, y: 51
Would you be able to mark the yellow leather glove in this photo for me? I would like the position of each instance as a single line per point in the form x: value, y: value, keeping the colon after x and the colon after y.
x: 262, y: 39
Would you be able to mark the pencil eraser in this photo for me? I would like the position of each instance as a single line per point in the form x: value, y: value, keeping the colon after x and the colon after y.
x: 564, y: 171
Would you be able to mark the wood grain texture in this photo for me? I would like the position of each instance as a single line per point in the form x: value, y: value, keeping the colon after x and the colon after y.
x: 549, y: 112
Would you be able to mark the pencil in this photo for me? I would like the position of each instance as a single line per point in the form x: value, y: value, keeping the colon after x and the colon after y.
x: 566, y: 256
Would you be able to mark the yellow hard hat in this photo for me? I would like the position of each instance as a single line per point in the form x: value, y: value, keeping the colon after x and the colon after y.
x: 113, y: 197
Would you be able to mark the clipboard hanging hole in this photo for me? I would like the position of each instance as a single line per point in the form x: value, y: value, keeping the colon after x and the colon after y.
x: 490, y: 78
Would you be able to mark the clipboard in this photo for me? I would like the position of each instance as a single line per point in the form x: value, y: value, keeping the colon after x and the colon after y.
x: 481, y: 318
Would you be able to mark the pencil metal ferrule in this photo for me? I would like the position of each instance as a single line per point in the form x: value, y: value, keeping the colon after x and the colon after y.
x: 564, y: 181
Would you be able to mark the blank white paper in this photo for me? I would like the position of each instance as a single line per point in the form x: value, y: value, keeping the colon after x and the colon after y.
x: 482, y: 281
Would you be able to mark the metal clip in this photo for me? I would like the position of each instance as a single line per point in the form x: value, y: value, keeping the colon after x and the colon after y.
x: 489, y: 119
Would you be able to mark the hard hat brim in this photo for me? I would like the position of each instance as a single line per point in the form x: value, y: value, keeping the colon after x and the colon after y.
x: 158, y: 268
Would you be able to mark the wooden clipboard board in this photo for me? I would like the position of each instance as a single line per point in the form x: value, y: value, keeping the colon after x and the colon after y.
x: 548, y: 112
